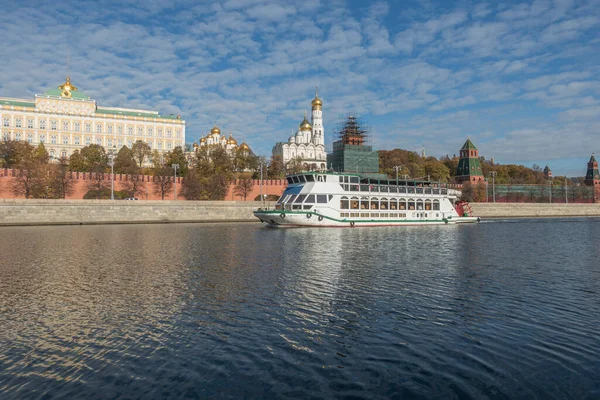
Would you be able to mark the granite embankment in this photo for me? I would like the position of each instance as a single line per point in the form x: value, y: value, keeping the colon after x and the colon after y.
x: 65, y: 212
x: 541, y: 210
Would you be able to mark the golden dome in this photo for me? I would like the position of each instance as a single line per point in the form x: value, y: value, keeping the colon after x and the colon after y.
x: 231, y: 140
x: 203, y: 140
x: 305, y: 125
x: 195, y: 145
x: 244, y: 146
x: 316, y: 101
x: 215, y: 131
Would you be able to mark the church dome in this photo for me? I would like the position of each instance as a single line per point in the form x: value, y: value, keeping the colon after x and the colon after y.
x: 215, y: 131
x: 203, y: 140
x: 232, y: 140
x: 317, y: 102
x: 305, y: 125
x: 195, y: 145
x: 292, y: 139
x: 244, y: 146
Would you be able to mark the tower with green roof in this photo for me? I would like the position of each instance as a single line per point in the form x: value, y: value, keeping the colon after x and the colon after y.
x: 592, y: 177
x: 469, y: 166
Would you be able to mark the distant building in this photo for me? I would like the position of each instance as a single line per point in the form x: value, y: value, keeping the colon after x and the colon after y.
x: 350, y: 152
x: 65, y: 120
x: 469, y: 166
x: 547, y: 172
x: 592, y: 177
x: 307, y: 144
x: 214, y: 138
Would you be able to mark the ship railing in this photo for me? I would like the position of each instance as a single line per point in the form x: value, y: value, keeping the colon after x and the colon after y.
x: 387, y: 189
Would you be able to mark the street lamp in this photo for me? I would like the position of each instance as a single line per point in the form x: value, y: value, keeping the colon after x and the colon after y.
x: 566, y: 188
x: 493, y: 173
x: 175, y: 166
x: 550, y: 186
x: 111, y: 159
x: 486, y: 190
x: 397, y: 167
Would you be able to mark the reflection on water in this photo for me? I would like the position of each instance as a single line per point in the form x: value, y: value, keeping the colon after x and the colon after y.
x: 508, y: 309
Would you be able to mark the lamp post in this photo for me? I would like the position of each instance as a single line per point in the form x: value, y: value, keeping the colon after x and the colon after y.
x: 493, y: 173
x: 261, y: 183
x: 397, y: 168
x: 566, y: 188
x: 550, y: 186
x: 175, y: 166
x: 111, y: 159
x: 486, y: 190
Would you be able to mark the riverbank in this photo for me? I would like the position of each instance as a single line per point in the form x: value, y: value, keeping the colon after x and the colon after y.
x: 87, y: 212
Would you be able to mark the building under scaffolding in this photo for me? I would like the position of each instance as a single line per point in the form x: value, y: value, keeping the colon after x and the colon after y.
x: 351, y: 152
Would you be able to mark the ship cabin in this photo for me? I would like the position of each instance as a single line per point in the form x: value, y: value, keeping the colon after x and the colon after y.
x: 356, y: 193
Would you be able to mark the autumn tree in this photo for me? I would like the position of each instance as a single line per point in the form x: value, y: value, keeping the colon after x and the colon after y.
x: 124, y: 161
x: 141, y: 151
x: 32, y: 168
x: 243, y: 187
x: 177, y: 156
x: 162, y: 180
x: 60, y: 179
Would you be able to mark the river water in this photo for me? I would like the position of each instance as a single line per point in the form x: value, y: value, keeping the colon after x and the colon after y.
x: 502, y: 309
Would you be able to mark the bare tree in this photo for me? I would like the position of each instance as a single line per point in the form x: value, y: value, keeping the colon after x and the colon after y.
x: 243, y: 187
x: 60, y: 179
x: 163, y: 181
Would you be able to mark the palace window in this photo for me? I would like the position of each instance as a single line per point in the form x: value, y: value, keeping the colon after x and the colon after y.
x: 99, y: 141
x: 88, y: 127
x: 65, y: 126
x: 130, y: 130
x: 19, y: 123
x: 109, y: 143
x: 5, y: 136
x: 18, y: 137
x: 141, y: 131
x: 109, y: 129
x: 129, y: 143
x: 120, y: 143
x: 77, y: 126
x: 149, y: 143
x: 65, y: 139
x: 160, y: 145
x: 169, y: 146
x: 77, y: 140
x: 53, y: 139
x: 51, y: 154
x: 150, y: 132
x: 53, y: 125
x: 42, y: 138
x: 63, y: 154
x: 120, y: 130
x: 30, y: 123
x: 6, y: 122
x: 98, y: 128
x: 169, y: 133
x: 42, y: 124
x: 178, y: 133
x: 88, y: 141
x: 159, y: 133
x: 30, y: 138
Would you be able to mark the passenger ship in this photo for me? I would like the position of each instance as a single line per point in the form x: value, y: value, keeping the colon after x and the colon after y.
x: 336, y: 199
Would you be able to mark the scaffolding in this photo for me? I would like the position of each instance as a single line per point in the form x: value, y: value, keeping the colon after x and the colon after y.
x: 351, y: 152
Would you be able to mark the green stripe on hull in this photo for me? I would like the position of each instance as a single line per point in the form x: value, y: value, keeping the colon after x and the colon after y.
x: 347, y: 221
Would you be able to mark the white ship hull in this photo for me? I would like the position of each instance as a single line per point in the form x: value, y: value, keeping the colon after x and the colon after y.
x: 342, y: 200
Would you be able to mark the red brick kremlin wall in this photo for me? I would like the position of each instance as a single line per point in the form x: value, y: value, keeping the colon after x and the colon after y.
x: 81, y: 180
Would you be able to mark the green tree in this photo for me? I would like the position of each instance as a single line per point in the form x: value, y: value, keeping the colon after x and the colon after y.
x: 177, y: 156
x: 276, y: 168
x: 77, y: 162
x: 124, y: 161
x: 436, y: 170
x: 141, y: 151
x: 192, y: 186
x: 94, y: 156
x: 32, y: 172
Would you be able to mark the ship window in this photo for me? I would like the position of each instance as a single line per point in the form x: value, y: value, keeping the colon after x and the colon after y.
x: 310, y: 198
x: 374, y: 203
x: 310, y: 178
x: 354, y: 203
x: 411, y: 204
x: 393, y: 204
x: 321, y: 198
x: 383, y: 204
x: 289, y: 179
x: 295, y: 179
x: 341, y: 178
x: 436, y: 205
x: 428, y: 204
x: 330, y: 197
x: 354, y: 179
x: 354, y: 188
x: 301, y: 179
x: 364, y: 203
x: 291, y: 199
x: 419, y: 204
x: 364, y: 188
x: 300, y: 198
x: 402, y: 204
x: 344, y: 203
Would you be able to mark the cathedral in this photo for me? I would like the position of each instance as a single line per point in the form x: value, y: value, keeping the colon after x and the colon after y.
x: 215, y: 138
x: 307, y: 144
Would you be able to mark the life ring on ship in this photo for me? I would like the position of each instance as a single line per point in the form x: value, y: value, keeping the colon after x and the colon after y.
x: 320, y: 218
x: 445, y: 220
x: 478, y: 219
x: 308, y: 215
x: 282, y: 215
x: 351, y: 224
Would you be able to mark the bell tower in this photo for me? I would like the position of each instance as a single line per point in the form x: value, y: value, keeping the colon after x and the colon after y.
x: 317, y: 120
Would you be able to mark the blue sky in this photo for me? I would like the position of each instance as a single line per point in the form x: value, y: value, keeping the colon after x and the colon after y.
x: 521, y: 79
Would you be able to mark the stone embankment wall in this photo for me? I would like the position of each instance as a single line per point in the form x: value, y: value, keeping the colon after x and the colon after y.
x: 516, y: 210
x: 66, y: 212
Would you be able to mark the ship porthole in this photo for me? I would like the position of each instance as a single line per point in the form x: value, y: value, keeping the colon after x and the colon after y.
x: 320, y: 218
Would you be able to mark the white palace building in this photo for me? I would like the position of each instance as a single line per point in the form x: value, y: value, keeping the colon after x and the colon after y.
x: 65, y: 119
x: 308, y: 143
